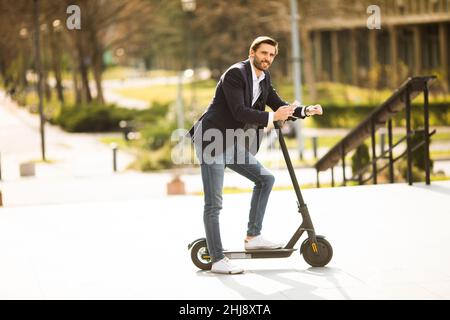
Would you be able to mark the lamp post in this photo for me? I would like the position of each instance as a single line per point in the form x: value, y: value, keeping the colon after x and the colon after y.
x: 39, y: 73
x: 55, y: 40
x: 23, y: 34
x: 189, y: 7
x: 297, y: 70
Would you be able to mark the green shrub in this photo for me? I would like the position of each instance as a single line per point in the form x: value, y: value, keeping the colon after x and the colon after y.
x: 97, y: 118
x: 402, y: 169
x: 153, y: 160
x: 151, y: 115
x: 156, y: 135
x: 360, y: 158
x: 418, y: 161
x: 92, y: 118
x: 418, y: 155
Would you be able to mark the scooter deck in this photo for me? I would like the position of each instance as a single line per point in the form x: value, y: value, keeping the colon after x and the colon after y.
x: 258, y: 254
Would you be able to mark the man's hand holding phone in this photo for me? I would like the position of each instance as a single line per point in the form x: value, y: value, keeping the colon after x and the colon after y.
x: 283, y: 113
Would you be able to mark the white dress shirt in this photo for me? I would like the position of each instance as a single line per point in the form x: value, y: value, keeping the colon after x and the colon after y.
x: 257, y: 91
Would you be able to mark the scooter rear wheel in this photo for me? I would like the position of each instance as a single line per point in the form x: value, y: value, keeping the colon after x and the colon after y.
x: 200, y: 256
x: 324, y: 256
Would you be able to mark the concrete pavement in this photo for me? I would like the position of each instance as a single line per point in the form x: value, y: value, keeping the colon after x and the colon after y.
x: 389, y: 242
x: 70, y: 154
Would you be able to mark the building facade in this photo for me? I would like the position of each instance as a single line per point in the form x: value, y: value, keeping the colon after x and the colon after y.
x: 413, y: 40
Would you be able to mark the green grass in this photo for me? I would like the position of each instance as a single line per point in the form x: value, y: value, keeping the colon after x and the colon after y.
x: 324, y: 141
x: 441, y: 136
x: 120, y: 142
x: 440, y: 154
x: 118, y: 72
x: 121, y: 72
x: 336, y: 94
x: 204, y: 91
x: 31, y: 99
x: 162, y: 73
x: 40, y: 161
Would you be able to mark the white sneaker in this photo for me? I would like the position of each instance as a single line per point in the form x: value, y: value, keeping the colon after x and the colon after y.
x: 259, y: 243
x: 226, y: 267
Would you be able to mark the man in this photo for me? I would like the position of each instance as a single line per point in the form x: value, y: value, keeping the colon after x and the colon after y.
x: 238, y: 106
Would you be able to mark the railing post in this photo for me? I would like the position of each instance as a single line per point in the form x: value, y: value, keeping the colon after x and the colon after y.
x: 374, y: 154
x: 317, y: 178
x: 408, y: 135
x: 427, y: 136
x: 332, y: 176
x: 382, y: 143
x: 314, y: 143
x: 114, y: 150
x: 391, y: 157
x: 343, y: 164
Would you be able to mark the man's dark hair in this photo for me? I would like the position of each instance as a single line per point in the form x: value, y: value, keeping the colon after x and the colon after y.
x: 263, y: 39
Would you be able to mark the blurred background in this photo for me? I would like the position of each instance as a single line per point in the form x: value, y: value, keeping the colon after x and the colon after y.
x: 126, y: 73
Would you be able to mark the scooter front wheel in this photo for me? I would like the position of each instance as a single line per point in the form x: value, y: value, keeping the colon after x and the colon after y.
x: 200, y: 255
x: 317, y: 260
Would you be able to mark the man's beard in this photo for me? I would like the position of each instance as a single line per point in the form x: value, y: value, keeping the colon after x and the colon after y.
x: 258, y: 64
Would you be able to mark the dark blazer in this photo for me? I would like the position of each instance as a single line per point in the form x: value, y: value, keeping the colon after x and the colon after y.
x: 231, y: 106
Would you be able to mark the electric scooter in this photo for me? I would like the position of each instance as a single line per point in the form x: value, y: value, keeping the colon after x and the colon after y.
x: 316, y: 251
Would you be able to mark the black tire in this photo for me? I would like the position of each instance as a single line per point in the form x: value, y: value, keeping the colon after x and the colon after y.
x: 200, y: 248
x: 325, y: 253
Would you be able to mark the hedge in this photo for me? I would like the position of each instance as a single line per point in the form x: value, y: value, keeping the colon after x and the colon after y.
x: 99, y: 118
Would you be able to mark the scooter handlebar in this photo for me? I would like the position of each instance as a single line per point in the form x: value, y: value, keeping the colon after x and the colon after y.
x: 278, y: 124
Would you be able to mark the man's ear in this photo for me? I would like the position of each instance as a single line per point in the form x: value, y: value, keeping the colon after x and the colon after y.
x: 251, y: 53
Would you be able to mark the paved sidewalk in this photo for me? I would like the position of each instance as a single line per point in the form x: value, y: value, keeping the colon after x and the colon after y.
x: 70, y: 154
x: 389, y: 242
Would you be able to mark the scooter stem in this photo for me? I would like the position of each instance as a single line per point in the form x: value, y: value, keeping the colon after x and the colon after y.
x: 290, y: 167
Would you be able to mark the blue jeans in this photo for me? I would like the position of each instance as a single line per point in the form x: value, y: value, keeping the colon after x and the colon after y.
x: 212, y: 176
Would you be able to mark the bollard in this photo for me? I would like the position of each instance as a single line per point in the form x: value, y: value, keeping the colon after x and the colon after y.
x: 125, y: 129
x: 176, y: 186
x: 314, y: 143
x: 27, y: 169
x: 1, y: 199
x: 114, y: 149
x: 382, y: 138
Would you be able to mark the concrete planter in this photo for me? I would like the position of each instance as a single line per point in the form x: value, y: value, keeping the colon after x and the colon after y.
x: 27, y: 169
x: 176, y: 186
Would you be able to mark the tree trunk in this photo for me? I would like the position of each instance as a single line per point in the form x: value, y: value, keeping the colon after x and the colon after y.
x: 97, y: 58
x: 76, y: 87
x: 47, y: 88
x: 56, y: 65
x: 98, y: 83
x: 85, y: 90
x: 83, y: 69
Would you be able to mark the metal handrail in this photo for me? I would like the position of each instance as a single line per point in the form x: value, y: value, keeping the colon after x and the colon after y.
x: 398, y: 101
